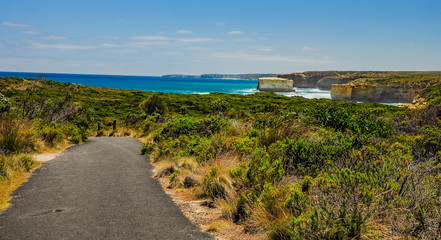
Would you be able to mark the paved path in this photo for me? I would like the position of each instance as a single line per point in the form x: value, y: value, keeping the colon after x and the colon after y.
x: 100, y: 190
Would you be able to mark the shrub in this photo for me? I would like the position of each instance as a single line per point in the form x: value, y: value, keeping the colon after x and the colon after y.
x: 154, y: 104
x: 429, y: 143
x: 245, y: 145
x: 172, y: 178
x: 5, y: 104
x: 270, y: 213
x: 147, y: 148
x: 3, y: 167
x: 216, y: 185
x: 75, y: 134
x: 52, y: 134
x: 220, y: 105
x: 13, y: 138
x: 204, y: 150
x: 27, y: 162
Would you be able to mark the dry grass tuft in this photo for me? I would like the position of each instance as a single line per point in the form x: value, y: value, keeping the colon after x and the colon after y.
x: 14, y: 171
x: 215, y: 226
x: 14, y: 137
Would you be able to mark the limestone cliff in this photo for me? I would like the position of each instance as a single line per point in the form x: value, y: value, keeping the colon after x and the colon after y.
x: 374, y: 93
x: 324, y: 79
x: 274, y: 84
x: 327, y: 82
x: 307, y: 79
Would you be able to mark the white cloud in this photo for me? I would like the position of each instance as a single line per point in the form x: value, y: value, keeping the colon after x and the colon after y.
x: 184, y: 32
x: 61, y: 46
x: 108, y: 37
x: 169, y: 53
x: 235, y: 32
x: 17, y: 25
x: 143, y: 44
x: 31, y: 32
x: 307, y: 49
x: 54, y: 37
x: 265, y: 49
x: 244, y: 40
x: 198, y: 48
x: 152, y: 38
x: 109, y: 45
x: 194, y: 40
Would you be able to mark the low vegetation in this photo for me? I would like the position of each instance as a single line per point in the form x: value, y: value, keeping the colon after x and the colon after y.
x: 290, y: 168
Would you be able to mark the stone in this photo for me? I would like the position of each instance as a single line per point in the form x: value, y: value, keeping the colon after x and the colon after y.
x: 275, y: 84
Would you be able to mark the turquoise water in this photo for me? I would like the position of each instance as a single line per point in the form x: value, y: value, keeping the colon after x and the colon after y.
x: 166, y: 84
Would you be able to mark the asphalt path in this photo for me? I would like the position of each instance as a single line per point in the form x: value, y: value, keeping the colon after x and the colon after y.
x: 99, y: 190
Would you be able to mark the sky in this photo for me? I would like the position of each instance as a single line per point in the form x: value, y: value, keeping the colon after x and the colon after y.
x: 156, y: 37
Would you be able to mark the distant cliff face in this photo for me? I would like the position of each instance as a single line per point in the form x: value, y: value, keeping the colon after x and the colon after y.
x: 327, y: 82
x: 374, y: 93
x: 273, y: 84
x: 306, y: 80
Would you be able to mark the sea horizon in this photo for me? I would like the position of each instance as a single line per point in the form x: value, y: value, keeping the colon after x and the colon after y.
x: 179, y: 85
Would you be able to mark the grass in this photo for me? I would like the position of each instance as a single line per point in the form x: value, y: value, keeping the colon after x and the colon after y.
x: 16, y: 170
x: 216, y: 226
x: 285, y: 167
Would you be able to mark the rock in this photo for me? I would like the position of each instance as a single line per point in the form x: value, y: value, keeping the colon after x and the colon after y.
x: 275, y: 84
x: 209, y: 204
x: 307, y: 79
x: 327, y: 82
x: 190, y: 182
x: 374, y: 93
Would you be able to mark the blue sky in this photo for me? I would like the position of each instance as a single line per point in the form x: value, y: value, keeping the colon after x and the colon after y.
x: 154, y: 37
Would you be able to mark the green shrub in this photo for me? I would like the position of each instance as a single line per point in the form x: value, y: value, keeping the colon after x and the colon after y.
x: 5, y: 104
x: 52, y: 133
x: 27, y: 162
x: 216, y: 185
x: 204, y: 151
x: 220, y: 105
x: 429, y: 143
x: 13, y: 138
x: 147, y: 148
x: 351, y: 118
x: 3, y: 167
x: 74, y: 133
x: 154, y: 104
x: 172, y: 177
x: 245, y: 145
x: 270, y: 212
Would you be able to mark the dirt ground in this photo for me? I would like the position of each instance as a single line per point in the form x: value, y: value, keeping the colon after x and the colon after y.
x: 208, y: 218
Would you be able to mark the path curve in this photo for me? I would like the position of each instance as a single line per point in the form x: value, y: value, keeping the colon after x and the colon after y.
x: 99, y: 190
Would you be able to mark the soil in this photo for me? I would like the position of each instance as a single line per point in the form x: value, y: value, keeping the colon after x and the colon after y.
x: 202, y: 213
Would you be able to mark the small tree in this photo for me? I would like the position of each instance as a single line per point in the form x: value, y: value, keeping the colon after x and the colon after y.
x: 155, y: 104
x: 5, y: 104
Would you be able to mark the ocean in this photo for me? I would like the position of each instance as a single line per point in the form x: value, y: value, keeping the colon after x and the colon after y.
x: 166, y: 84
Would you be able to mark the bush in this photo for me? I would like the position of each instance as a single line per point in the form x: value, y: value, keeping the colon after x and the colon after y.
x: 154, y: 104
x: 51, y: 133
x: 27, y: 162
x: 147, y: 148
x: 429, y: 142
x: 13, y: 138
x: 5, y: 104
x: 216, y: 185
x: 3, y: 167
x: 74, y: 133
x: 220, y: 105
